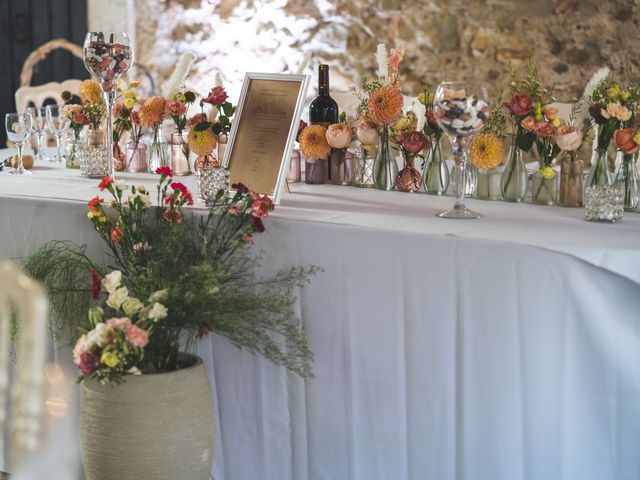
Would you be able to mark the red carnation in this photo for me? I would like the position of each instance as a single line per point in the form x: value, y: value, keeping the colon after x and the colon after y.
x: 88, y: 363
x: 217, y: 96
x: 240, y: 187
x: 94, y: 203
x: 166, y: 171
x: 106, y: 181
x: 95, y: 286
x: 258, y: 225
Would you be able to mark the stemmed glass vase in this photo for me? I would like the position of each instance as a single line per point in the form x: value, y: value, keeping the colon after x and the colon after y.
x: 461, y: 115
x: 18, y: 126
x: 108, y: 56
x: 38, y: 130
x: 58, y: 123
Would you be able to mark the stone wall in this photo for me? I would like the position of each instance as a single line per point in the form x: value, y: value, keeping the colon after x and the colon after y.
x: 471, y: 40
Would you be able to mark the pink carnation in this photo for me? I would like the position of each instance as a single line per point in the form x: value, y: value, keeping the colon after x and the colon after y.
x: 121, y: 323
x: 175, y: 108
x: 198, y: 118
x: 137, y: 336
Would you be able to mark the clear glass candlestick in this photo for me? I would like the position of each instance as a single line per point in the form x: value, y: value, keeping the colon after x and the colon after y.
x: 58, y: 123
x: 108, y: 56
x: 461, y: 115
x: 38, y: 130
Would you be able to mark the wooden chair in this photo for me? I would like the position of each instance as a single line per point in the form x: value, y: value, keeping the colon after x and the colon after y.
x: 23, y: 299
x: 26, y: 94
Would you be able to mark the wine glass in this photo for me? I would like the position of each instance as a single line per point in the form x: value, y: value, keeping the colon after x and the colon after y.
x: 18, y: 126
x: 58, y: 123
x: 38, y: 130
x: 461, y: 115
x: 107, y: 56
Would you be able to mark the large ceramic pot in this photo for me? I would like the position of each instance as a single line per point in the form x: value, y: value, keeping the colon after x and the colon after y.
x: 159, y: 426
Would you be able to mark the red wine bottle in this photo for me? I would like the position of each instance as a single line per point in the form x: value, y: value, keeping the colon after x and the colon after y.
x: 324, y: 109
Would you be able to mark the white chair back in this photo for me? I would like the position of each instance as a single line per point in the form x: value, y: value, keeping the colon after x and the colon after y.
x: 25, y: 298
x: 39, y: 94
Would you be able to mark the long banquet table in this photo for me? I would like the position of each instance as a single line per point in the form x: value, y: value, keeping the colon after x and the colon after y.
x: 506, y: 348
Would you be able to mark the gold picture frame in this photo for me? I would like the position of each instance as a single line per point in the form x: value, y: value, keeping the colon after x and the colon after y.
x: 264, y: 130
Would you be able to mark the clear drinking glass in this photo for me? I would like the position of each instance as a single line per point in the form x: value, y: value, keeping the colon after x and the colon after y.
x: 58, y: 123
x: 38, y: 130
x: 107, y: 56
x: 18, y: 126
x: 461, y: 115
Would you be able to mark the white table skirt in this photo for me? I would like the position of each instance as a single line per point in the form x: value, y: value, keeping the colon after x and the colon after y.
x: 506, y: 348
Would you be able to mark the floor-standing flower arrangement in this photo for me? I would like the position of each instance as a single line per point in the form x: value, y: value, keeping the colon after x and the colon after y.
x: 381, y: 103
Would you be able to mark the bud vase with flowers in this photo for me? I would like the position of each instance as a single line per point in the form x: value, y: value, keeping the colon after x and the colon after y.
x: 152, y: 113
x: 176, y: 109
x: 339, y: 138
x: 435, y: 175
x: 628, y: 143
x: 315, y: 149
x: 411, y: 143
x: 126, y: 114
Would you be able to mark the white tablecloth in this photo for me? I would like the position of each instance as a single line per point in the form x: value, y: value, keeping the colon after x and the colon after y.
x: 506, y: 348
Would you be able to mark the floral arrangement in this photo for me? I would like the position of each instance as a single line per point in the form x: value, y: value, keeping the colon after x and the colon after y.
x: 199, y: 269
x: 313, y: 142
x: 110, y: 348
x: 177, y: 108
x: 409, y: 140
x: 127, y: 117
x: 152, y: 112
x: 627, y: 140
x: 431, y: 128
x: 339, y: 134
x: 614, y: 107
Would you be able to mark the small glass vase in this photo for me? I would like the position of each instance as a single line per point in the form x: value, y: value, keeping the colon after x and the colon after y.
x: 363, y: 161
x: 95, y: 161
x: 72, y: 160
x: 489, y: 184
x: 627, y: 178
x: 436, y: 173
x: 341, y: 167
x: 210, y: 181
x: 316, y: 171
x: 180, y: 154
x: 470, y: 179
x: 203, y: 161
x: 385, y: 169
x: 515, y: 182
x: 603, y: 203
x: 544, y: 190
x: 136, y: 157
x: 223, y: 139
x: 294, y: 175
x: 599, y: 174
x: 158, y: 151
x: 571, y: 182
x: 119, y: 156
x: 409, y: 179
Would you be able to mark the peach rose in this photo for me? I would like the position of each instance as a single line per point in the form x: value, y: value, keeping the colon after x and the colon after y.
x: 339, y: 135
x: 367, y: 133
x: 550, y: 112
x: 618, y: 111
x: 568, y: 138
x: 625, y: 141
x: 528, y: 123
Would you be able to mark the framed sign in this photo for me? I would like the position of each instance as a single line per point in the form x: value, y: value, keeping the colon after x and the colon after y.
x: 263, y: 131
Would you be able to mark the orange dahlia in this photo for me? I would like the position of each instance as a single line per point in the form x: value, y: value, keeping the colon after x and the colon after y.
x: 385, y: 105
x: 313, y: 142
x: 487, y: 151
x: 152, y: 111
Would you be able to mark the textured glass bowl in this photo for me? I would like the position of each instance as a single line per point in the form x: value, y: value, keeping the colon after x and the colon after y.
x: 604, y: 203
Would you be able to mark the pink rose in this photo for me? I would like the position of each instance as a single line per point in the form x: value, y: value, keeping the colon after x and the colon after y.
x: 88, y: 363
x: 544, y: 129
x: 137, y: 336
x: 175, y: 108
x: 367, y: 133
x: 568, y: 138
x: 339, y: 135
x: 217, y: 96
x: 528, y: 123
x: 520, y: 104
x: 415, y: 143
x: 121, y: 323
x: 198, y: 118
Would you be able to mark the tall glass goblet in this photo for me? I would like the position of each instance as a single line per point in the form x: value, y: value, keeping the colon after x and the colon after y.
x: 58, y: 123
x: 461, y: 115
x: 38, y: 130
x: 108, y: 56
x: 18, y: 126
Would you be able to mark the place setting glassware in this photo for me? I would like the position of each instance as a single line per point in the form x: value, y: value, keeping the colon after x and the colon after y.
x: 461, y: 115
x: 58, y: 123
x: 18, y: 126
x: 39, y: 130
x: 108, y: 56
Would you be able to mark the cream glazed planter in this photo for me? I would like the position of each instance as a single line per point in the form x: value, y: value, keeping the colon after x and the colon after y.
x: 158, y: 426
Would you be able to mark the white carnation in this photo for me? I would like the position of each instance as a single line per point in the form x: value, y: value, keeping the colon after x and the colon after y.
x: 112, y: 281
x: 117, y: 297
x: 131, y: 306
x: 158, y: 311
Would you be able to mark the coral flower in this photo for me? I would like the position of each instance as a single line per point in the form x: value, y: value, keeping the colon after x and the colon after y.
x: 137, y: 336
x: 313, y: 142
x: 618, y: 111
x: 90, y: 92
x: 152, y: 112
x: 487, y: 151
x: 175, y: 108
x: 116, y: 235
x: 201, y: 142
x: 339, y: 135
x: 105, y: 182
x: 625, y: 140
x: 385, y: 105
